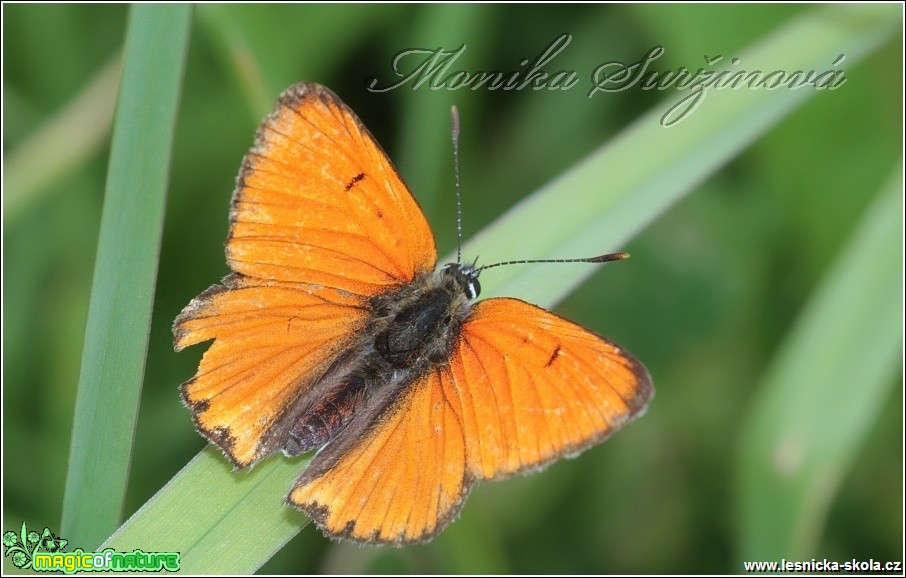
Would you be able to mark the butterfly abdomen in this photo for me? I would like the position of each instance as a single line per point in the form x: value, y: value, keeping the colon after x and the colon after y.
x: 325, y: 420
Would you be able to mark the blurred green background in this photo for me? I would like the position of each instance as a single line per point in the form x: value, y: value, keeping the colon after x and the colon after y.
x: 708, y: 300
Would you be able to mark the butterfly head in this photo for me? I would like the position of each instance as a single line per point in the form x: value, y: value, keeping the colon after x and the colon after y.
x: 465, y: 277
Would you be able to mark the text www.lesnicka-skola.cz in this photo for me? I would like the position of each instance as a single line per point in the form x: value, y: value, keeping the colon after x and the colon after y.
x: 813, y: 565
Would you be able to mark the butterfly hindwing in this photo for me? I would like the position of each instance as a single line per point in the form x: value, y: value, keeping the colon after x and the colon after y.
x: 400, y: 481
x: 272, y: 342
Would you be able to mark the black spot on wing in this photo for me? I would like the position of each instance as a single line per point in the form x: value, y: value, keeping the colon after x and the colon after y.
x: 554, y: 356
x: 354, y: 181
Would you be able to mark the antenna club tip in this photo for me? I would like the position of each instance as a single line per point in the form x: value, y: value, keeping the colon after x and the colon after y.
x: 610, y: 257
x: 454, y: 116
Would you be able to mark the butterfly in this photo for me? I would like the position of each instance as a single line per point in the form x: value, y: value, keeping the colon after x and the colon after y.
x: 337, y: 332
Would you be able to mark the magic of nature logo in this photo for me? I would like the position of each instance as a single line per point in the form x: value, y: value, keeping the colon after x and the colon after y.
x: 43, y: 552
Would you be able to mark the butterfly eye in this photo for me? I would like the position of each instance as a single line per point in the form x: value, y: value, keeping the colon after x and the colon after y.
x: 447, y: 319
x: 473, y: 287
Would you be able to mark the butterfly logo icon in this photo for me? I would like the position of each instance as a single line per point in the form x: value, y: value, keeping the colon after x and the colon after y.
x: 337, y: 332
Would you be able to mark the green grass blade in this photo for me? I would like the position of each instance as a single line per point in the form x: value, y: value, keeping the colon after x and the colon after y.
x: 69, y: 138
x: 595, y: 207
x: 824, y: 390
x: 199, y: 503
x: 116, y: 336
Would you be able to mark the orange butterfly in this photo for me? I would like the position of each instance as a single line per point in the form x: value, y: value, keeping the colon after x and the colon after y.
x: 335, y: 332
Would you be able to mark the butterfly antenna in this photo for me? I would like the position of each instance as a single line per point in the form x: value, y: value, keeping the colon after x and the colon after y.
x: 599, y: 259
x: 454, y: 115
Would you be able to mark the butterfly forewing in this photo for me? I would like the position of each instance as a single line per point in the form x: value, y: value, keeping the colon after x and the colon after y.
x: 318, y: 202
x: 320, y: 223
x: 530, y: 386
